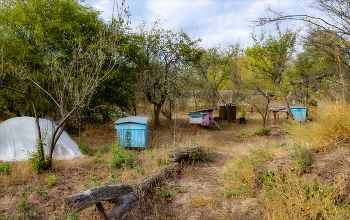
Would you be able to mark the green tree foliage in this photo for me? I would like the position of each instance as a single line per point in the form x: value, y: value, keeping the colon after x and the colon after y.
x: 31, y: 33
x: 269, y: 58
x: 328, y: 34
x: 58, y: 50
x: 163, y: 54
x: 316, y: 70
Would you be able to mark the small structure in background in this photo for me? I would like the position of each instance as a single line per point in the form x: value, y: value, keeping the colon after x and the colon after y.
x: 202, y: 118
x: 227, y: 112
x: 299, y: 112
x: 132, y: 131
x: 276, y: 112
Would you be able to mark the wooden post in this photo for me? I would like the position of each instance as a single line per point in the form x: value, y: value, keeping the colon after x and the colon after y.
x: 101, y: 210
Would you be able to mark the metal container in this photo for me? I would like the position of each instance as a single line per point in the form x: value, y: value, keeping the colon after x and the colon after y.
x: 132, y: 131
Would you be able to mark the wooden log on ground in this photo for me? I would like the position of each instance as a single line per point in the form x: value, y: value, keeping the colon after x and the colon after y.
x: 124, y: 195
x: 192, y: 153
x: 127, y: 195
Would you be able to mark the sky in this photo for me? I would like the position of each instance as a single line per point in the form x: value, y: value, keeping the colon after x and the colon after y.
x: 216, y: 22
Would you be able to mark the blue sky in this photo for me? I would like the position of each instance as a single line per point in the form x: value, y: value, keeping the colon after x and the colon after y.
x: 216, y: 22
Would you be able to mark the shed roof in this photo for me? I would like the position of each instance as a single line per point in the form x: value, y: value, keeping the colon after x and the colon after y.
x: 133, y: 120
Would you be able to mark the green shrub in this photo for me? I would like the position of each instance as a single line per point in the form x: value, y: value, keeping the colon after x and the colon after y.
x: 139, y: 169
x: 50, y: 180
x: 5, y: 168
x: 118, y: 114
x: 177, y: 189
x: 37, y: 163
x: 121, y: 157
x: 85, y: 149
x: 162, y: 193
x: 118, y: 156
x: 73, y: 216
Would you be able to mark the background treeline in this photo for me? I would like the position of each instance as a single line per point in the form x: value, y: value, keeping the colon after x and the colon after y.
x: 60, y: 59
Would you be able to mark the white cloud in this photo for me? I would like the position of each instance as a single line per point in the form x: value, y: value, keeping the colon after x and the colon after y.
x: 215, y: 21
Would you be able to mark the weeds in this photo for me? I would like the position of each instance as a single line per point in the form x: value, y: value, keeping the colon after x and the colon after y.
x: 262, y: 131
x: 50, y: 180
x: 41, y: 192
x: 177, y: 189
x: 161, y: 192
x: 95, y: 181
x: 21, y: 200
x: 36, y: 162
x: 5, y: 168
x: 201, y: 202
x: 302, y: 198
x: 85, y: 149
x: 331, y: 126
x: 241, y: 178
x: 244, y: 133
x: 303, y: 157
x: 120, y: 157
x: 72, y: 216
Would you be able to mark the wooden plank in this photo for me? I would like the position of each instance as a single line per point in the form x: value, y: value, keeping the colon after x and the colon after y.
x: 216, y: 123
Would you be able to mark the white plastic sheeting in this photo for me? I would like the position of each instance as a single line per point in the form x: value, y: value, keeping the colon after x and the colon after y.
x: 18, y: 137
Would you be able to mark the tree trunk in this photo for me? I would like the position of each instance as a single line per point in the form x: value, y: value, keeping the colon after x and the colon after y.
x: 157, y: 110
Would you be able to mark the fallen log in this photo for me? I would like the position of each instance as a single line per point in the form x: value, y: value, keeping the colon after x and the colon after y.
x: 124, y: 195
x: 192, y: 153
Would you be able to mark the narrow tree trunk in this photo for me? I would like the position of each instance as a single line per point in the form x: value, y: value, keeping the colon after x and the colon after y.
x: 157, y: 110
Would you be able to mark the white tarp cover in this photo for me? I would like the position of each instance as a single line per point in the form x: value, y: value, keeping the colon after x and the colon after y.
x: 18, y: 137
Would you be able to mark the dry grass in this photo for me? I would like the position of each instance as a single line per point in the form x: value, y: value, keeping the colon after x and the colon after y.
x: 209, y: 189
x: 295, y: 197
x: 330, y: 127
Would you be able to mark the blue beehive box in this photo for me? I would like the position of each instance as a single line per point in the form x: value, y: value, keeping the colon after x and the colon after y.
x: 299, y: 112
x: 132, y: 131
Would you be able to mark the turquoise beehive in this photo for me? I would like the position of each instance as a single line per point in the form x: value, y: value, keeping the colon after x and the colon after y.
x: 132, y: 131
x: 299, y: 112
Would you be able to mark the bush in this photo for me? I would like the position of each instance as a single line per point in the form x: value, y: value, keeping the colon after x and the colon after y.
x: 50, y: 180
x: 5, y: 168
x: 37, y: 163
x: 120, y: 157
x: 85, y: 149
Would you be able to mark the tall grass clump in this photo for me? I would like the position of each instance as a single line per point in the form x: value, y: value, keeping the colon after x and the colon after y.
x: 303, y: 156
x: 329, y: 127
x: 294, y: 197
x: 240, y: 176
